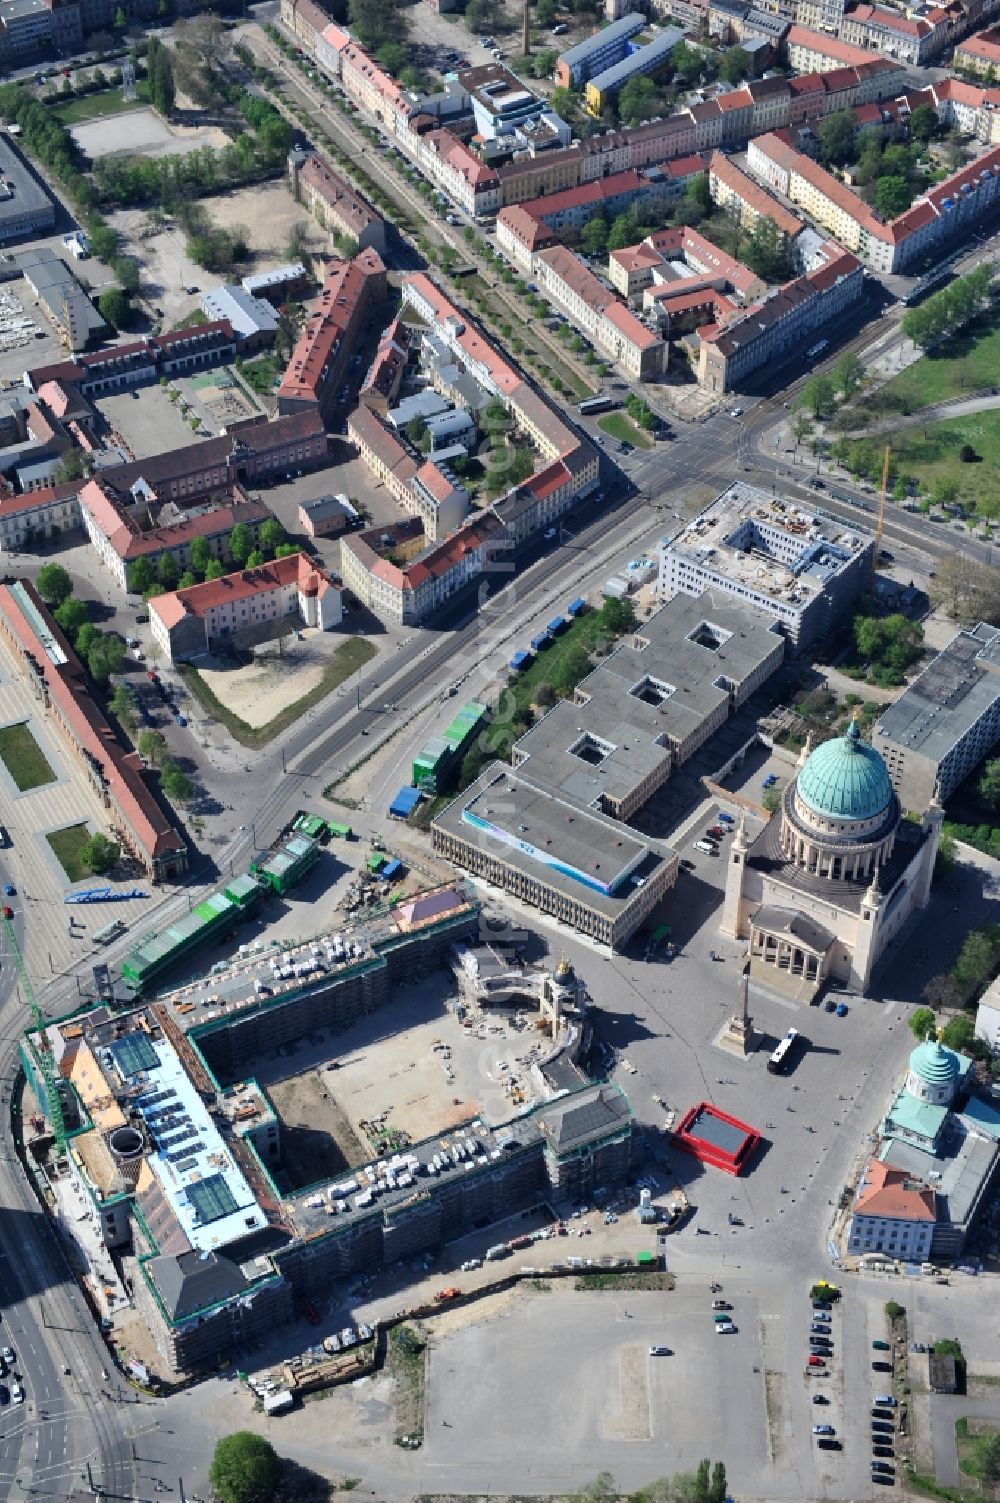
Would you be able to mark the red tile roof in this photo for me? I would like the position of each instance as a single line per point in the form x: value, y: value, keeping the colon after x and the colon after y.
x: 333, y: 319
x: 894, y: 1194
x: 69, y: 688
x: 245, y: 584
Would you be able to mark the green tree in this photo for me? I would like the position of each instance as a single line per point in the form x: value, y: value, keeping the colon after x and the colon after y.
x: 545, y: 12
x: 942, y: 991
x: 73, y: 465
x: 848, y: 373
x: 121, y: 20
x: 923, y: 123
x: 378, y: 23
x: 84, y: 640
x: 255, y: 559
x: 622, y: 232
x: 285, y: 550
x: 415, y: 430
x: 152, y: 745
x: 166, y: 571
x: 702, y: 1482
x: 100, y: 855
x: 245, y: 1467
x: 201, y: 554
x: 837, y: 138
x: 817, y: 394
x: 617, y: 616
x: 71, y: 615
x: 53, y: 584
x: 892, y: 196
x: 241, y: 543
x: 176, y: 785
x: 123, y: 704
x: 272, y: 535
x: 717, y: 1487
x: 594, y: 236
x: 637, y: 100
x: 735, y: 65
x: 771, y: 800
x: 187, y: 579
x: 213, y: 569
x: 988, y: 786
x: 767, y: 251
x: 113, y: 306
x: 140, y: 576
x: 959, y: 1033
x: 922, y: 1023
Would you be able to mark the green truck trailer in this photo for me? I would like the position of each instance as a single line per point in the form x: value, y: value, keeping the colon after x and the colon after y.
x: 436, y: 767
x: 154, y: 954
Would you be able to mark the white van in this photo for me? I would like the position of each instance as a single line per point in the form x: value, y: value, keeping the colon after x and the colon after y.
x: 706, y: 848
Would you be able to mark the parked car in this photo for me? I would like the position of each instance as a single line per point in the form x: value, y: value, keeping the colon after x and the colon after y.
x: 824, y: 1430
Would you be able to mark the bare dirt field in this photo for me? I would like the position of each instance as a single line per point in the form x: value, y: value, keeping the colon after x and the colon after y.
x: 258, y: 693
x: 311, y: 1152
x: 144, y: 131
x: 409, y: 1069
x: 269, y: 211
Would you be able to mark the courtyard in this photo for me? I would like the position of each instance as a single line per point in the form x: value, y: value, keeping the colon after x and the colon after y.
x: 402, y: 1075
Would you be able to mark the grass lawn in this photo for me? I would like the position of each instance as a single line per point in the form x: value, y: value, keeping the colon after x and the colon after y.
x: 936, y: 454
x: 621, y: 427
x: 967, y: 1433
x: 261, y: 373
x: 961, y: 365
x: 347, y: 659
x: 93, y: 106
x: 68, y: 845
x: 23, y: 758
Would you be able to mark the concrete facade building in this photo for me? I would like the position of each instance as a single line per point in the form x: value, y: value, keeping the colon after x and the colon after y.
x: 25, y: 207
x: 567, y: 281
x: 638, y: 62
x: 187, y: 624
x: 946, y: 721
x: 599, y: 877
x: 980, y: 53
x: 580, y: 63
x: 645, y: 710
x: 801, y: 568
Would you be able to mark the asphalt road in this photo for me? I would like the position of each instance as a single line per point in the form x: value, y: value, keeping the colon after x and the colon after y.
x: 65, y: 1422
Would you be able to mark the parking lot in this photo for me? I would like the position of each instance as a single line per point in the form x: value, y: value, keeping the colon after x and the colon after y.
x: 147, y: 421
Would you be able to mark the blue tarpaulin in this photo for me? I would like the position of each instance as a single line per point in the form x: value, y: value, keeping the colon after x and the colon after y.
x: 405, y: 802
x: 575, y: 606
x: 537, y: 643
x: 520, y: 660
x: 393, y: 868
x: 555, y: 626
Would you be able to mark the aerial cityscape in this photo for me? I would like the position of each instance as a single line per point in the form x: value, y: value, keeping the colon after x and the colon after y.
x: 499, y: 750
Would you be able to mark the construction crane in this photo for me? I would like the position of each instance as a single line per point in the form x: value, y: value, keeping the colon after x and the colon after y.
x: 883, y: 494
x: 53, y: 1100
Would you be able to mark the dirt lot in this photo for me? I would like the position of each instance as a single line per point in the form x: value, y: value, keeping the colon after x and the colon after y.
x: 267, y: 208
x: 143, y: 131
x: 389, y: 1074
x: 259, y: 692
x: 310, y: 1153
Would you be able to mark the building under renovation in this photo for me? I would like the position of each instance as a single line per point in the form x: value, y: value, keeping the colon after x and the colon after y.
x: 176, y: 1147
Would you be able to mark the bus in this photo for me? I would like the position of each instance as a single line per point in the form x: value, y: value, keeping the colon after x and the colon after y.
x: 596, y: 404
x: 779, y: 1059
x: 817, y: 349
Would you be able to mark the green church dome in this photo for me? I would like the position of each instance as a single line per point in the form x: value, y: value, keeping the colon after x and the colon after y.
x: 932, y: 1062
x: 845, y: 779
